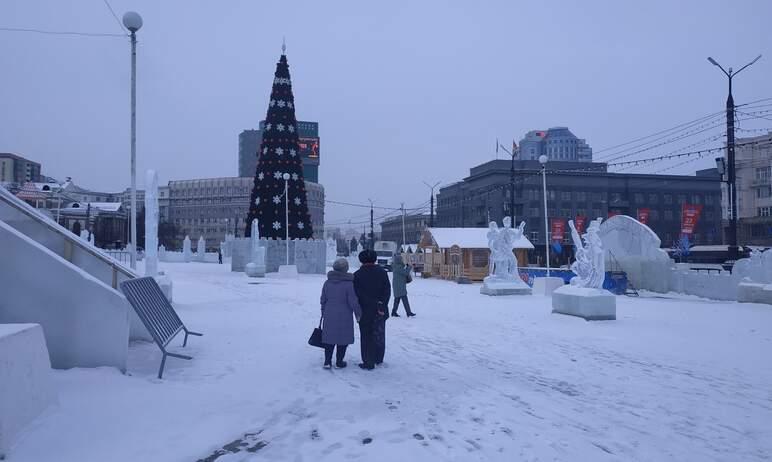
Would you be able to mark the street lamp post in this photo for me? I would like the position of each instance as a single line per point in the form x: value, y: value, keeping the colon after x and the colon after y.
x: 286, y: 178
x: 133, y: 22
x: 731, y: 234
x: 431, y: 201
x: 543, y: 161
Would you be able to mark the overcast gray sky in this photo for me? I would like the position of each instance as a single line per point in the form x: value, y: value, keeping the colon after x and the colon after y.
x: 404, y: 91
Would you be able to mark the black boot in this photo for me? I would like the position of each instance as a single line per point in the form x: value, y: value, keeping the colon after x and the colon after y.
x: 395, y: 314
x: 367, y: 367
x: 410, y: 315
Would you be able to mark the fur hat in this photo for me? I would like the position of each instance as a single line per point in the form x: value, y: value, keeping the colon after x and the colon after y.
x: 341, y: 265
x: 368, y: 256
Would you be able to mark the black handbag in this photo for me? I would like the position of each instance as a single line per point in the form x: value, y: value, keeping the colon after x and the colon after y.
x: 316, y: 336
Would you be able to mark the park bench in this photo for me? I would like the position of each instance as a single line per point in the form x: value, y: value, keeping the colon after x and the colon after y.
x: 157, y: 314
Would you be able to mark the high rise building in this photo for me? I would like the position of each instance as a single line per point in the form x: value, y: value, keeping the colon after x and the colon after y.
x: 17, y: 169
x: 557, y: 143
x: 308, y: 141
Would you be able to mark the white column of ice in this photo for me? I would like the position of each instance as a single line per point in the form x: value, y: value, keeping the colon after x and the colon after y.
x: 201, y: 248
x: 151, y: 223
x: 186, y: 252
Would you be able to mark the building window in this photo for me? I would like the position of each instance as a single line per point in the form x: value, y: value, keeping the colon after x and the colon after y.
x: 534, y: 236
x: 682, y: 198
x: 668, y: 198
x: 763, y: 174
x: 638, y: 197
x: 616, y: 197
x: 763, y: 211
x: 566, y: 195
x: 696, y: 199
x: 653, y: 198
x: 764, y: 191
x: 668, y: 215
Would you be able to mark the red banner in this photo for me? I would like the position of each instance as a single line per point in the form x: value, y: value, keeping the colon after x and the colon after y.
x: 643, y: 216
x: 558, y: 229
x: 579, y: 223
x: 690, y: 215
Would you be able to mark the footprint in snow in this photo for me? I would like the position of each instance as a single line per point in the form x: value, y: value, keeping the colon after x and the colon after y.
x: 418, y: 436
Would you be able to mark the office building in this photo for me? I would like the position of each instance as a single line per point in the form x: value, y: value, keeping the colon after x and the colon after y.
x: 557, y: 143
x: 212, y: 207
x: 753, y: 161
x: 585, y: 190
x: 17, y: 169
x: 308, y: 141
x: 391, y: 229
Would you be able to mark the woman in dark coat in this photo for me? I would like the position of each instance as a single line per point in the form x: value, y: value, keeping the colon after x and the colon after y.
x: 339, y: 303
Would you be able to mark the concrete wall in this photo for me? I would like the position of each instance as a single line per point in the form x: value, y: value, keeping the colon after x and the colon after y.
x: 310, y: 256
x: 86, y: 322
x: 26, y: 389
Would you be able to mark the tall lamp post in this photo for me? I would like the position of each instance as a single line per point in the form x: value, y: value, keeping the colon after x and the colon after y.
x: 286, y: 178
x: 431, y: 201
x: 543, y: 161
x: 133, y: 22
x: 731, y: 235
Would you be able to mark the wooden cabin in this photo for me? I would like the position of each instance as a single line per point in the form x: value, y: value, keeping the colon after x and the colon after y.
x: 451, y: 253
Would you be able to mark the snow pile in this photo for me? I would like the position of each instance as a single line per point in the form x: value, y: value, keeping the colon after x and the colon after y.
x: 469, y: 378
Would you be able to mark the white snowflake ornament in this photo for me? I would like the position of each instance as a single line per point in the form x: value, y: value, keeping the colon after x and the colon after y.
x: 301, y: 225
x: 291, y: 128
x: 272, y: 103
x: 297, y: 201
x: 280, y: 127
x: 276, y: 225
x: 260, y: 176
x: 281, y: 103
x: 293, y: 153
x: 289, y: 104
x: 277, y: 175
x: 295, y: 176
x: 276, y: 199
x: 267, y: 127
x: 279, y: 151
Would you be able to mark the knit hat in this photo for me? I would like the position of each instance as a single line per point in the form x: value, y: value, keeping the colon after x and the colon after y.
x: 368, y: 256
x: 341, y: 265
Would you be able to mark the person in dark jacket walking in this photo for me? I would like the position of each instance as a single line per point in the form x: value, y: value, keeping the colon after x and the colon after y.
x: 339, y: 301
x: 400, y: 276
x: 373, y: 290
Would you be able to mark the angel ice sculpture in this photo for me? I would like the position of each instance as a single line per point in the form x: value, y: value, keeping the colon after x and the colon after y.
x: 590, y: 266
x: 501, y: 241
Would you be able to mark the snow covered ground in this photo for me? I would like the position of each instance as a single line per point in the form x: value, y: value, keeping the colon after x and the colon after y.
x: 470, y: 378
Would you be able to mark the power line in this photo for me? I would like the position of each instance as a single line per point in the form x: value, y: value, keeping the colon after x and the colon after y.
x: 51, y: 32
x: 120, y: 24
x: 685, y: 124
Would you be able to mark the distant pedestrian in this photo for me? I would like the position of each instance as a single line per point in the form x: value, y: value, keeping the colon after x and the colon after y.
x: 373, y: 290
x: 399, y: 280
x: 219, y: 256
x: 339, y: 307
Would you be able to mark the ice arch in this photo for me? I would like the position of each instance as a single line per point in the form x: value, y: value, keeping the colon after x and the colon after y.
x: 635, y: 248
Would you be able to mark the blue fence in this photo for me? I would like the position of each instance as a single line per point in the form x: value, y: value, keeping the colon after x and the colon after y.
x: 615, y: 281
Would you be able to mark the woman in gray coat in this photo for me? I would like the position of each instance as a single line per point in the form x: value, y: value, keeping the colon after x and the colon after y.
x: 339, y: 303
x: 399, y: 279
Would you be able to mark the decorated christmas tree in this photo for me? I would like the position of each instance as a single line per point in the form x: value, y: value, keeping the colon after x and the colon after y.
x: 279, y: 155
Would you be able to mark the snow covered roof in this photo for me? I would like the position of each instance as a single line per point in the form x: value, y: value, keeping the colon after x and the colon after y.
x: 468, y: 238
x: 30, y: 192
x: 409, y: 248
